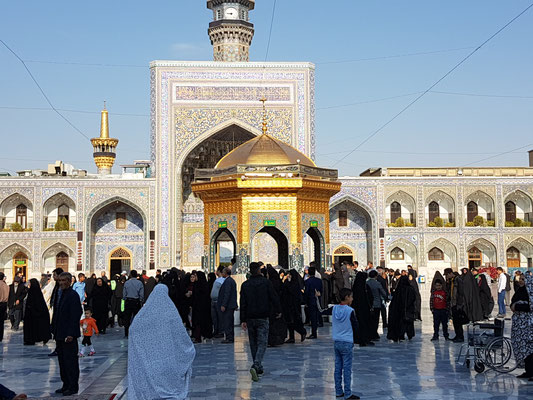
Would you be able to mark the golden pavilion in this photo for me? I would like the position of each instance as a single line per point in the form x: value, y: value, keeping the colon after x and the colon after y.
x: 265, y: 186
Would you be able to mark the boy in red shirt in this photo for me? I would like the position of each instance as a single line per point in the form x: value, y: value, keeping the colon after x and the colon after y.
x: 88, y: 325
x: 438, y: 303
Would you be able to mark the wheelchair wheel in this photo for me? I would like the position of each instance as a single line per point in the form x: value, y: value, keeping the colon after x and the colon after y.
x: 499, y: 355
x: 479, y: 367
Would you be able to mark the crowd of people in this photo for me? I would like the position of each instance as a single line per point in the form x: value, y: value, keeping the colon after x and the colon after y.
x: 274, y: 304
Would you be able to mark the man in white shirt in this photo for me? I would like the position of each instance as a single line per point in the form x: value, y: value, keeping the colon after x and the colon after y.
x: 216, y: 313
x: 502, y: 284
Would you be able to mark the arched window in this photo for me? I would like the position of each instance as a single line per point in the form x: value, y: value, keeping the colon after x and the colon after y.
x: 395, y: 211
x: 471, y: 211
x: 63, y: 212
x: 435, y: 254
x: 62, y: 261
x: 22, y: 215
x: 510, y: 211
x: 397, y: 254
x: 434, y: 211
x: 513, y: 257
x: 475, y: 258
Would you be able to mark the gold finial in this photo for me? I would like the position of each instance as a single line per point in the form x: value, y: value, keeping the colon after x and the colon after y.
x: 265, y: 128
x: 104, y: 125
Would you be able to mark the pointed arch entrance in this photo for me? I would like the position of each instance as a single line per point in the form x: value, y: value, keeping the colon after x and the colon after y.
x: 281, y: 242
x: 341, y: 254
x: 20, y: 264
x: 119, y: 260
x: 223, y: 247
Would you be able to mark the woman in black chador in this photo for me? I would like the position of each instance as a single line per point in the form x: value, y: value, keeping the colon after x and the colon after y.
x: 402, y: 311
x: 99, y: 301
x: 291, y: 303
x: 277, y: 330
x: 202, y: 325
x: 36, y: 316
x: 361, y: 304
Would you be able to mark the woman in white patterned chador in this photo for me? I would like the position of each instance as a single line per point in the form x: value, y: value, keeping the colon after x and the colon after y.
x: 160, y: 352
x: 522, y: 329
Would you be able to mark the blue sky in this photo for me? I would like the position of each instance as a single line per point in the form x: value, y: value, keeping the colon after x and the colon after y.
x: 439, y: 130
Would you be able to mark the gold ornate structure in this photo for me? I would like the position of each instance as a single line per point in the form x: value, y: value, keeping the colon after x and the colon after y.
x: 104, y: 147
x: 266, y: 186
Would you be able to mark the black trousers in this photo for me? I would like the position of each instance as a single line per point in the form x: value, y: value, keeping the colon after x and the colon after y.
x: 528, y: 361
x: 69, y: 369
x: 131, y: 308
x: 228, y: 323
x: 374, y: 322
x: 458, y: 327
x: 440, y: 317
x: 297, y: 326
x: 3, y: 312
x: 313, y: 316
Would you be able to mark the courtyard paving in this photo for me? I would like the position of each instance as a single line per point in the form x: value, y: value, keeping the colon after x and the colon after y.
x: 419, y: 369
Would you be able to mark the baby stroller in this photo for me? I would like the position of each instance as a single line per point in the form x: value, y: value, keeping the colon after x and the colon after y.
x: 487, y: 347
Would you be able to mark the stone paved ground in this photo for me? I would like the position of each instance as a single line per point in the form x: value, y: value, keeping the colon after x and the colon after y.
x: 420, y: 369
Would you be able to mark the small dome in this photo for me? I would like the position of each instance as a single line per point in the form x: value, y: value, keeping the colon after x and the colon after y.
x: 264, y: 150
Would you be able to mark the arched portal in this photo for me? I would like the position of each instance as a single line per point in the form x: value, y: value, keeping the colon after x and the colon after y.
x: 58, y: 255
x: 209, y: 152
x: 15, y: 256
x: 341, y: 254
x: 223, y: 247
x: 282, y: 245
x: 119, y: 260
x: 319, y: 247
x: 357, y: 232
x: 20, y: 264
x: 481, y: 253
x: 116, y: 222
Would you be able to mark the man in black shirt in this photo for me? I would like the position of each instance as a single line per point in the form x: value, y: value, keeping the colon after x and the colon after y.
x: 257, y: 300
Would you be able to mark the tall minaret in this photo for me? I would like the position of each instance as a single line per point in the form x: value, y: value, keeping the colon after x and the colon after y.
x: 104, y: 147
x: 230, y: 32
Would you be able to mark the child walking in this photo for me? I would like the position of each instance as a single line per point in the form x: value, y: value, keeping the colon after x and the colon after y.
x: 88, y: 325
x: 344, y: 327
x: 438, y: 303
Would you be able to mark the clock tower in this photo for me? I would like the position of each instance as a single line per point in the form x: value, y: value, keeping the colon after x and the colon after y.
x: 230, y: 32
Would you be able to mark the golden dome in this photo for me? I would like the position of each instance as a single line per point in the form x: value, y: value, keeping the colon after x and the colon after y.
x: 264, y: 150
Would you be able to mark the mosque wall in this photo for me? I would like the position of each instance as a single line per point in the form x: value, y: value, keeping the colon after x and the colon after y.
x: 41, y: 248
x: 193, y: 101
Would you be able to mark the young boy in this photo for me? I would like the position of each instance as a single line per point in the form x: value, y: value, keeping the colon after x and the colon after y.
x: 88, y: 325
x: 344, y: 327
x: 438, y: 303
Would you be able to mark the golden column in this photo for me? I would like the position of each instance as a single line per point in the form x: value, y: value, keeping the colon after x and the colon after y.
x: 104, y: 147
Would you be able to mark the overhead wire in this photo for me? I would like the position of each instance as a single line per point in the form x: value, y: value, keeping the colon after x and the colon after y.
x: 498, y: 155
x: 393, y: 56
x: 374, y: 133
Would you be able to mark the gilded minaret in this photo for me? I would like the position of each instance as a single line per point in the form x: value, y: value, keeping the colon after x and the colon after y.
x: 230, y: 31
x: 104, y: 147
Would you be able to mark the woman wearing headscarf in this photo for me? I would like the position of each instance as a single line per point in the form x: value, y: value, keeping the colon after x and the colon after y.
x: 485, y: 295
x: 291, y: 304
x: 184, y: 297
x: 361, y: 305
x: 474, y: 311
x: 157, y: 340
x: 149, y: 286
x: 277, y: 329
x: 522, y: 328
x: 36, y: 316
x: 402, y: 311
x: 202, y: 325
x: 418, y: 302
x: 99, y: 303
